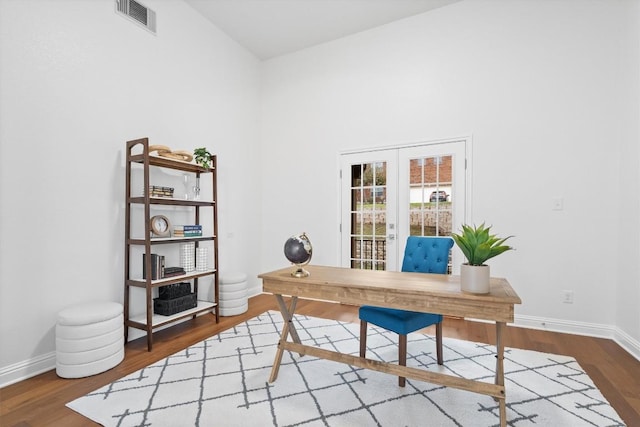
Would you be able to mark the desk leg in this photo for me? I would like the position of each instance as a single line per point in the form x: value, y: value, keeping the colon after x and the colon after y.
x: 287, y: 317
x: 502, y: 401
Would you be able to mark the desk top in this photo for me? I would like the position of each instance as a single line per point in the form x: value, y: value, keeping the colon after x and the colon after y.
x: 431, y: 293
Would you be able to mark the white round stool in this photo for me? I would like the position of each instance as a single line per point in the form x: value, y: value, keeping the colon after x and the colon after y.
x: 89, y: 339
x: 233, y: 294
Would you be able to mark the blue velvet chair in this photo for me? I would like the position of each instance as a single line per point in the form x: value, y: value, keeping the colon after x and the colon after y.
x: 424, y: 255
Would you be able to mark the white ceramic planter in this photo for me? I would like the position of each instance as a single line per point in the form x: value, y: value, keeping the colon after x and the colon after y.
x: 474, y: 278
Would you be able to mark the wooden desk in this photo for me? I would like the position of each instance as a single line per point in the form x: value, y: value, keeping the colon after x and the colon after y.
x: 431, y: 293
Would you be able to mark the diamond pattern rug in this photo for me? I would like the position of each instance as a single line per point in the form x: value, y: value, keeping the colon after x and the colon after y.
x: 223, y: 381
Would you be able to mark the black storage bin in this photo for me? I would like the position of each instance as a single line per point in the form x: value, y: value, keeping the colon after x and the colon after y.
x: 174, y: 290
x: 167, y: 307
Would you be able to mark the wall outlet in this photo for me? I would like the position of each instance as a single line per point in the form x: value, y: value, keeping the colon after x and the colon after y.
x: 567, y: 297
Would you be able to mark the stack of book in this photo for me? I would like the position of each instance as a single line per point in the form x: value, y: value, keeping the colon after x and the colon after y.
x: 158, y: 270
x: 158, y: 191
x: 173, y: 271
x: 187, y: 230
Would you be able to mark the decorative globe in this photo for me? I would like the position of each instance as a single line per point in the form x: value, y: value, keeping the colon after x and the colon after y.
x: 298, y: 250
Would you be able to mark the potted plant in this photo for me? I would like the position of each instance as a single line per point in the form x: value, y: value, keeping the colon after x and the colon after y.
x: 203, y: 157
x: 478, y: 245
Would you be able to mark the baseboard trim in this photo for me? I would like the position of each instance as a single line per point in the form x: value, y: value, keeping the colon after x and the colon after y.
x: 26, y: 369
x: 623, y: 339
x: 254, y: 291
x: 566, y: 326
x: 628, y: 343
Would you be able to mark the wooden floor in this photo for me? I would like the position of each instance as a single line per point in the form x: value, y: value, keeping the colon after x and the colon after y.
x: 40, y: 401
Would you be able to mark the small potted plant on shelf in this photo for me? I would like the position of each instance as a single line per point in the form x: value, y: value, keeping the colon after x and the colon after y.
x: 478, y: 245
x: 203, y: 157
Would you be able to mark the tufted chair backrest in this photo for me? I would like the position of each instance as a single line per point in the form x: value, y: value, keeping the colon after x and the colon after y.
x: 427, y: 254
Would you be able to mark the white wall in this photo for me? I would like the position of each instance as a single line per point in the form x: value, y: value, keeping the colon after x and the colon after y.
x: 549, y: 91
x: 77, y: 81
x: 543, y: 87
x: 628, y: 316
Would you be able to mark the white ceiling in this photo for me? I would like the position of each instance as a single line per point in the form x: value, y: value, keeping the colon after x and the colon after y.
x: 269, y: 28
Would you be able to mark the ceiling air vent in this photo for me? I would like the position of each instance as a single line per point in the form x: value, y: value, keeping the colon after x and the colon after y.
x: 138, y: 13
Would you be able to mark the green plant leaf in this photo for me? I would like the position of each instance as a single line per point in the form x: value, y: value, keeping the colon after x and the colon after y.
x: 478, y: 244
x: 482, y: 253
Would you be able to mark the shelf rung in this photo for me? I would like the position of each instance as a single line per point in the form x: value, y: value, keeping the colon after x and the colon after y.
x: 158, y: 319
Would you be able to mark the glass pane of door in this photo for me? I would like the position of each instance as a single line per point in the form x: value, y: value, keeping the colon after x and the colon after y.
x: 368, y: 228
x: 430, y: 196
x: 432, y: 191
x: 368, y: 220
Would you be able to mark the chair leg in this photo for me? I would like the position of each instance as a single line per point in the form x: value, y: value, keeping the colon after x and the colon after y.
x: 363, y: 338
x: 439, y: 342
x: 402, y: 356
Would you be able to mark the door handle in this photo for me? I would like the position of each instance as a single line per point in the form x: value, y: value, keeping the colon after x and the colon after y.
x: 391, y: 237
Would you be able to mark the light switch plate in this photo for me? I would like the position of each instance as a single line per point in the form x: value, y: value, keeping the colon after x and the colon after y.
x: 558, y: 203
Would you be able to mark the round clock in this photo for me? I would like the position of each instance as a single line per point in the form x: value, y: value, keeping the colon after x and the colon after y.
x: 161, y: 226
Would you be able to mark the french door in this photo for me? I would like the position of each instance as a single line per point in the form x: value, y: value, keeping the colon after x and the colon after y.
x: 390, y: 194
x: 369, y: 200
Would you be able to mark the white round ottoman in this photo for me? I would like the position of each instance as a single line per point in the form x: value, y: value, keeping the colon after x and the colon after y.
x: 233, y: 294
x: 89, y: 339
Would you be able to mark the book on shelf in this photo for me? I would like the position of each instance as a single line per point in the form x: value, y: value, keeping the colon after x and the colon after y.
x: 159, y: 191
x: 189, y: 227
x: 173, y: 271
x: 188, y: 230
x: 187, y: 233
x: 173, y: 274
x: 157, y: 266
x: 161, y: 188
x: 160, y: 194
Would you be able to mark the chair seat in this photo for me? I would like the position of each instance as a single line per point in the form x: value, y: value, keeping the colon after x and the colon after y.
x: 399, y: 321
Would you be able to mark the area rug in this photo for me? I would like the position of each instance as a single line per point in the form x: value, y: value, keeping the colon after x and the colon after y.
x: 223, y: 381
